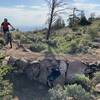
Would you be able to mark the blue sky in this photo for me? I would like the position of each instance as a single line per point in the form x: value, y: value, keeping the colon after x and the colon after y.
x: 20, y: 2
x: 34, y: 12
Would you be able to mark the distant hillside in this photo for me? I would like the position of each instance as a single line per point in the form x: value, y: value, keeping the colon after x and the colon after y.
x: 29, y: 28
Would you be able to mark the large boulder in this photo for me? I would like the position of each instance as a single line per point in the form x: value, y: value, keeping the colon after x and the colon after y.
x: 18, y: 64
x: 75, y: 67
x: 39, y: 70
x: 33, y: 70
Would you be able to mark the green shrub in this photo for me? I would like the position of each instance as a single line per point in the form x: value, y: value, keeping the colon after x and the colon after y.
x: 53, y: 43
x: 77, y: 92
x: 5, y: 89
x: 4, y: 70
x: 25, y: 40
x: 82, y: 80
x: 68, y: 37
x: 37, y: 47
x: 70, y: 92
x: 59, y: 44
x: 2, y: 56
x: 96, y: 78
x: 5, y: 85
x: 75, y: 29
x: 93, y: 33
x: 73, y: 48
x: 17, y: 36
x: 1, y: 41
x: 79, y: 44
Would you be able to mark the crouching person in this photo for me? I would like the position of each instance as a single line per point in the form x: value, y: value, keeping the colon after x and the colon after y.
x: 54, y: 74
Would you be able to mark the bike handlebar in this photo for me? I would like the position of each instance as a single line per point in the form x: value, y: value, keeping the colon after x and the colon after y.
x: 12, y: 29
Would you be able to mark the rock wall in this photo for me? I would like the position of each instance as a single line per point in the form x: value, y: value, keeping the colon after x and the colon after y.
x: 39, y: 70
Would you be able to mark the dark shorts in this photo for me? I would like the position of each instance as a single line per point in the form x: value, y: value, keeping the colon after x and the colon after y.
x: 53, y: 75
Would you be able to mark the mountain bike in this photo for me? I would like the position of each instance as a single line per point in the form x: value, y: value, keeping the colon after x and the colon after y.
x: 8, y: 37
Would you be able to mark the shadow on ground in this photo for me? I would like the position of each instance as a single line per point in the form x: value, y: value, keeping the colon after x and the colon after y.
x: 25, y: 89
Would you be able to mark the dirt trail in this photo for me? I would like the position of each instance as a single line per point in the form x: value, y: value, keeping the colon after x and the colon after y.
x: 21, y: 53
x: 28, y: 55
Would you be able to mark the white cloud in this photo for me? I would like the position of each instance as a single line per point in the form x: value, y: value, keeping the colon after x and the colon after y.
x: 87, y: 7
x: 76, y: 0
x: 35, y: 7
x: 79, y: 0
x: 20, y: 6
x: 20, y: 15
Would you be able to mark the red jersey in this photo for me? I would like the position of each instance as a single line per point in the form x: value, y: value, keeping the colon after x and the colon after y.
x: 5, y: 26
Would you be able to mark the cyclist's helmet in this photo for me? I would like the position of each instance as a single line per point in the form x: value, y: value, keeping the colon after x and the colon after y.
x: 5, y: 20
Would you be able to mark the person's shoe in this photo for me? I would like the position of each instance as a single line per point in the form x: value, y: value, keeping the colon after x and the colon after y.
x: 10, y: 45
x: 49, y: 84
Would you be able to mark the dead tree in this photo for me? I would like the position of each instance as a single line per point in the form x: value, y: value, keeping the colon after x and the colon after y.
x: 55, y: 8
x: 73, y: 17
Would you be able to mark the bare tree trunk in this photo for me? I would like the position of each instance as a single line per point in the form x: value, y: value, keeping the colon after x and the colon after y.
x: 74, y: 16
x: 51, y: 20
x: 55, y: 8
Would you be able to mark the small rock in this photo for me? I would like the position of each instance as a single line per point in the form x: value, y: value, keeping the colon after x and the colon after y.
x: 95, y: 45
x: 27, y: 50
x: 5, y: 61
x: 97, y: 40
x: 16, y: 98
x: 12, y: 60
x: 21, y: 63
x: 97, y: 88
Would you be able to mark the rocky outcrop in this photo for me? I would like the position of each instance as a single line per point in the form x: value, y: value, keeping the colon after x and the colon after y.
x: 39, y: 70
x: 95, y: 45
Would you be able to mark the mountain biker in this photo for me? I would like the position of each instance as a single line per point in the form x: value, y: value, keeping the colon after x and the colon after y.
x: 5, y: 29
